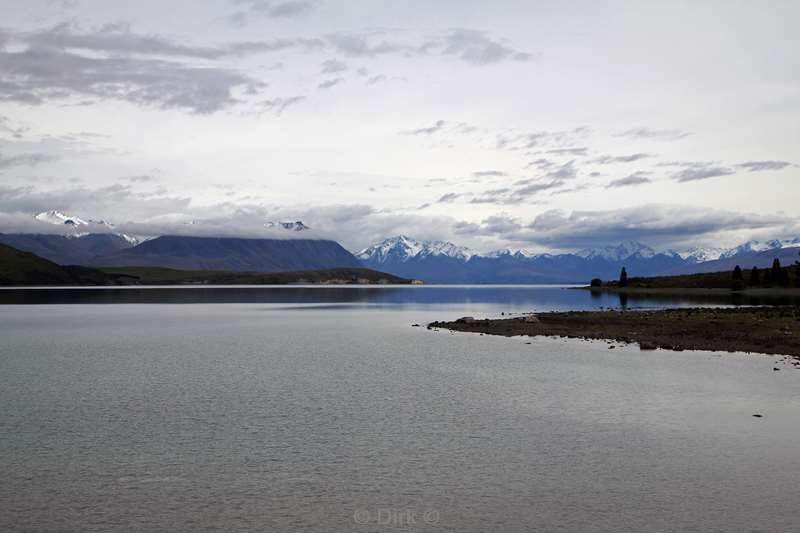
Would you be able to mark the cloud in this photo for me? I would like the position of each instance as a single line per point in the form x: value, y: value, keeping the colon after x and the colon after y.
x: 654, y: 134
x: 569, y: 151
x: 29, y: 160
x: 757, y: 166
x: 263, y: 8
x: 489, y: 174
x: 475, y: 48
x: 637, y: 178
x: 279, y: 105
x: 327, y: 84
x: 630, y: 158
x: 333, y: 66
x: 361, y: 45
x: 541, y: 139
x: 376, y: 79
x: 449, y: 197
x: 430, y: 130
x: 654, y: 224
x: 54, y: 65
x: 701, y: 171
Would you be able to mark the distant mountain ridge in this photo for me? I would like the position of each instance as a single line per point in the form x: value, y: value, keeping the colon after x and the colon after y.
x: 444, y: 262
x: 235, y: 254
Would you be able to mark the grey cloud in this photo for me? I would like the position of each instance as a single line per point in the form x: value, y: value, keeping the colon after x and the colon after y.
x: 568, y: 151
x: 567, y: 171
x: 529, y: 190
x: 279, y: 105
x: 332, y: 66
x: 609, y: 159
x: 327, y: 84
x: 655, y: 224
x: 476, y: 48
x: 637, y: 178
x: 757, y: 166
x: 438, y: 126
x: 359, y: 45
x: 376, y: 79
x: 701, y: 172
x: 449, y: 197
x: 489, y: 173
x: 29, y: 160
x: 38, y: 74
x: 138, y: 179
x: 553, y: 139
x: 656, y: 134
x: 262, y: 8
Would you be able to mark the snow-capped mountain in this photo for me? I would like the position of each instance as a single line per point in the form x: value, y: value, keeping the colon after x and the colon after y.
x: 87, y: 226
x: 758, y: 246
x: 619, y: 252
x: 297, y: 225
x: 445, y: 262
x: 698, y: 254
x: 57, y: 217
x: 402, y: 249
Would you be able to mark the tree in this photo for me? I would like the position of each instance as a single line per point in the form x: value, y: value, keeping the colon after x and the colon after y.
x: 776, y: 270
x: 768, y: 277
x: 596, y: 282
x: 737, y: 273
x: 623, y: 278
x: 755, y: 276
x: 783, y: 279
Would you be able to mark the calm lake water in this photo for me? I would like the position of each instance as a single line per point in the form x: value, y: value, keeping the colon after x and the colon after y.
x: 322, y: 409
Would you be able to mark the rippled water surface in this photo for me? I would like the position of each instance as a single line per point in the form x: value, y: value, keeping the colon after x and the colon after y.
x: 300, y: 409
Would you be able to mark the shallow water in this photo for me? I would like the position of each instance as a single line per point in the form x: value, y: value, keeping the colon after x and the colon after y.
x: 313, y: 412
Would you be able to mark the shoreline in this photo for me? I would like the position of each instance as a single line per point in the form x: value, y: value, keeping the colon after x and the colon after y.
x: 764, y: 330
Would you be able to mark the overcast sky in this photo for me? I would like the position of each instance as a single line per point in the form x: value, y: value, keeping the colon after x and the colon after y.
x: 535, y: 125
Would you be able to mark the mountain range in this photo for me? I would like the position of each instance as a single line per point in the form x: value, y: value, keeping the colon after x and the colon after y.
x: 443, y: 262
x: 431, y: 261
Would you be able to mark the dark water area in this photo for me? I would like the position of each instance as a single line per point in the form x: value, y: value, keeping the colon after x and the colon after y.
x: 323, y: 409
x: 532, y: 297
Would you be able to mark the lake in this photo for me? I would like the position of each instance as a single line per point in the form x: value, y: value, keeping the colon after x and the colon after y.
x: 323, y: 409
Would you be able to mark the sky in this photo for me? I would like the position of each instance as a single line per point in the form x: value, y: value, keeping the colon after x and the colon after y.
x: 543, y: 126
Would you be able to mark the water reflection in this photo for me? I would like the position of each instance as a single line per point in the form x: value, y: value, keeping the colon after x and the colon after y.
x: 516, y: 297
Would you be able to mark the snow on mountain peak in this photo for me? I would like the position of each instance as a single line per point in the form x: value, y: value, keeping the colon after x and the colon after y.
x: 759, y: 246
x: 402, y: 248
x: 619, y: 252
x: 297, y: 225
x: 57, y: 217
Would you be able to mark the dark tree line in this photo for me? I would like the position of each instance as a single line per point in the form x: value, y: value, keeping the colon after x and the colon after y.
x: 773, y: 276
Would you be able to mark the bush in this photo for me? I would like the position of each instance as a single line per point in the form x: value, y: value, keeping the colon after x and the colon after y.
x: 596, y: 282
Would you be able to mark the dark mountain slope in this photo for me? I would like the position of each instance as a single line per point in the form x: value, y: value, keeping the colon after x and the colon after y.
x: 253, y: 255
x: 66, y: 250
x: 24, y: 268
